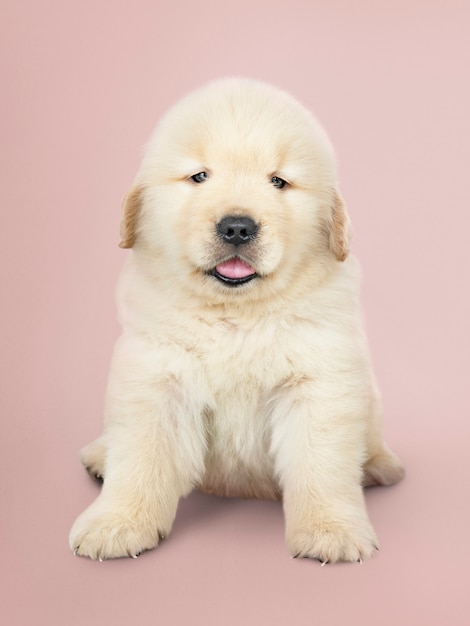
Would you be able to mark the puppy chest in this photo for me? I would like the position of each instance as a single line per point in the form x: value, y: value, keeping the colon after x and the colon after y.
x: 241, y: 368
x: 238, y: 435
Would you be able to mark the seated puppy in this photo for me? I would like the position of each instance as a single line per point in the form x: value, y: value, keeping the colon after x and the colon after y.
x: 243, y: 368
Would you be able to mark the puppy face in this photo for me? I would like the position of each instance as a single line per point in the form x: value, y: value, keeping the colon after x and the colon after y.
x: 237, y: 194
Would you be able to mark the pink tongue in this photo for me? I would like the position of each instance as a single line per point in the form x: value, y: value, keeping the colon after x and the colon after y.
x: 235, y: 268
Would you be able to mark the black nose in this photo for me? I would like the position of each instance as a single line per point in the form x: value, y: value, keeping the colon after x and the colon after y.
x: 237, y: 230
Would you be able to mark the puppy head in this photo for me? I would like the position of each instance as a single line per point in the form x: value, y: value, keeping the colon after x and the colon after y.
x: 237, y: 194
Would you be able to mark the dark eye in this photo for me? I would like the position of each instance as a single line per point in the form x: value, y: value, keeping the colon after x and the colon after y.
x: 200, y: 177
x: 278, y: 182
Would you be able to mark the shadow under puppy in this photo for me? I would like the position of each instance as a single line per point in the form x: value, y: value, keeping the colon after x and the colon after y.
x: 242, y: 369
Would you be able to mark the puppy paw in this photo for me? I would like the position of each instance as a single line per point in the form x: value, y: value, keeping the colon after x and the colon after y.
x: 106, y: 535
x: 384, y: 468
x: 93, y: 457
x: 331, y: 542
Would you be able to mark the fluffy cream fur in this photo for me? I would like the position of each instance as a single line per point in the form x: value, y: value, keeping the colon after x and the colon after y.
x: 264, y: 389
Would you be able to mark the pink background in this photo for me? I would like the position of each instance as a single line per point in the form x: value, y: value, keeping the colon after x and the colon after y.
x: 83, y: 84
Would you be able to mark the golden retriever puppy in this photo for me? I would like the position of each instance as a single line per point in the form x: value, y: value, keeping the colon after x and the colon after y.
x: 243, y: 368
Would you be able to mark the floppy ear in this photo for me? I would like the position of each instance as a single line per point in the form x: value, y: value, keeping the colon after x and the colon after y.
x: 130, y: 213
x: 340, y: 228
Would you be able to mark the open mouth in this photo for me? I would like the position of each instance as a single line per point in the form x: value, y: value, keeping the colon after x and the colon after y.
x: 234, y: 272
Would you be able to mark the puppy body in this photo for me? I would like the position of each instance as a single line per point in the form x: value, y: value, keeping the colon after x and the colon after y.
x: 260, y: 387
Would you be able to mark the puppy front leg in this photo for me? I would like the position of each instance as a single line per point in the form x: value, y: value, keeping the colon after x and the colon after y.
x: 318, y: 446
x: 155, y: 454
